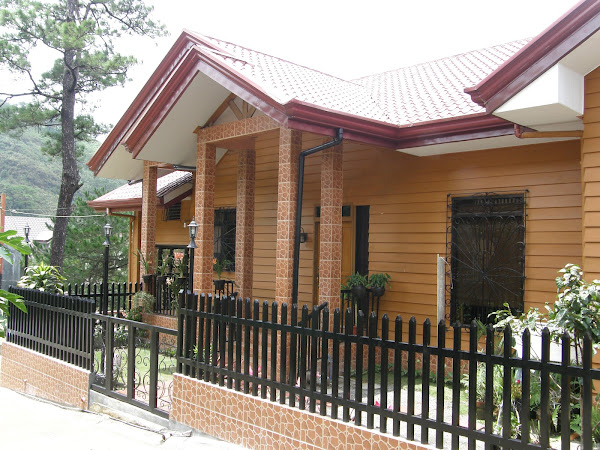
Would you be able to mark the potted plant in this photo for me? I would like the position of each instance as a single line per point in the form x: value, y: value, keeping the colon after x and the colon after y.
x: 357, y: 284
x: 147, y: 276
x: 219, y: 265
x: 378, y: 281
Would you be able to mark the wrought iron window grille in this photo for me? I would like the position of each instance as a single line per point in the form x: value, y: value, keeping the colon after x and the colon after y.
x: 485, y: 244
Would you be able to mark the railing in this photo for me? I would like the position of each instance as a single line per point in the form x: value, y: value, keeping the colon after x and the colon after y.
x: 165, y: 290
x: 119, y: 294
x: 59, y: 326
x: 375, y: 381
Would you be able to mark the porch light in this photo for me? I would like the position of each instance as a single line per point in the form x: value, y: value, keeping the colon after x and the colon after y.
x: 107, y: 233
x: 193, y: 230
x: 26, y: 230
x: 303, y: 235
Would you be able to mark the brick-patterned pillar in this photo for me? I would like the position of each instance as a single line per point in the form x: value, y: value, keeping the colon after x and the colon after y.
x: 590, y: 177
x: 290, y: 144
x: 244, y: 231
x: 204, y: 214
x: 148, y: 232
x: 330, y: 232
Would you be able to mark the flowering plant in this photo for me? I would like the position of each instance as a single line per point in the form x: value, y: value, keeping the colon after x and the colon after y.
x: 219, y: 264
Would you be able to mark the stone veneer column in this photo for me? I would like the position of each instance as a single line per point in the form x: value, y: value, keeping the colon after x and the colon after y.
x: 330, y: 232
x: 244, y: 232
x: 290, y: 144
x: 204, y: 214
x: 148, y: 232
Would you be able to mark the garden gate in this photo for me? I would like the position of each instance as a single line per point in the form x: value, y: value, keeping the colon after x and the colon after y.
x: 134, y: 362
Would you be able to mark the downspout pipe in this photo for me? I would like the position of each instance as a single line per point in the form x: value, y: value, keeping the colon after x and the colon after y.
x: 303, y: 154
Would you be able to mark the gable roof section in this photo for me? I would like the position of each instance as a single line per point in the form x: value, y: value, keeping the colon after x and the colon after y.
x: 543, y: 52
x: 129, y: 196
x: 415, y: 106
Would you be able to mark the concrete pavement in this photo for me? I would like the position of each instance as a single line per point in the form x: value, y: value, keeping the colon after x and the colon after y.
x: 30, y: 423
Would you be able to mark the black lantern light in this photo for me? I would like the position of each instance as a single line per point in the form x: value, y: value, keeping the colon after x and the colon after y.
x: 26, y: 230
x: 107, y: 233
x: 193, y: 230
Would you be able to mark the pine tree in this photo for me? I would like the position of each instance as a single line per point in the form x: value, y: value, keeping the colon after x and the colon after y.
x: 82, y: 34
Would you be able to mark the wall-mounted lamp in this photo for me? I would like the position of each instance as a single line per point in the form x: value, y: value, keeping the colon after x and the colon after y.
x: 303, y: 235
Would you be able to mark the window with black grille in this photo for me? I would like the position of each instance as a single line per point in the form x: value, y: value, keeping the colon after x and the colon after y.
x: 224, y: 247
x: 173, y: 212
x: 487, y: 258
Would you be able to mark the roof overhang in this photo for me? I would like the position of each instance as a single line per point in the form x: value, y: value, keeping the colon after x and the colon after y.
x: 542, y: 85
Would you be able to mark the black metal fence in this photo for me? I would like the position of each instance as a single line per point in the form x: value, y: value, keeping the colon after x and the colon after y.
x: 421, y: 391
x: 59, y: 326
x: 119, y: 294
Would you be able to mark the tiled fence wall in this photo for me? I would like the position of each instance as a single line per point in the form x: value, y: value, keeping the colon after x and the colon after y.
x: 26, y: 371
x: 259, y: 424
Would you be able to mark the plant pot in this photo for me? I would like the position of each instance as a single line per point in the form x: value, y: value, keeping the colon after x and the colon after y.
x: 480, y: 410
x: 148, y: 281
x: 378, y: 291
x: 219, y: 285
x: 359, y: 292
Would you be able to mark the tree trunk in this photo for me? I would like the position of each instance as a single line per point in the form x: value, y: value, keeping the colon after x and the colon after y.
x: 70, y: 172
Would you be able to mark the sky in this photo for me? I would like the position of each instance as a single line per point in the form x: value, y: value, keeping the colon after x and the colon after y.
x: 347, y: 38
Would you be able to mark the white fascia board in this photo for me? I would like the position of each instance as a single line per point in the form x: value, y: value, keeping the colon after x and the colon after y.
x: 555, y: 97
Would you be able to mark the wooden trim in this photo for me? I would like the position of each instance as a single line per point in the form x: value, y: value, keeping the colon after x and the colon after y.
x: 220, y: 110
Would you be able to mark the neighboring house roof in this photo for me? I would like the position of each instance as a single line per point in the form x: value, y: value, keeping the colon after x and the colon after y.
x: 424, y: 105
x: 169, y: 188
x: 40, y: 227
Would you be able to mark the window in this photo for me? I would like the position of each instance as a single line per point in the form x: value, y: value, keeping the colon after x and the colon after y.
x: 224, y: 247
x: 487, y: 258
x: 173, y: 212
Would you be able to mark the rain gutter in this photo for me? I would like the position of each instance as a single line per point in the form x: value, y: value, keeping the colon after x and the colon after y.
x: 301, y: 157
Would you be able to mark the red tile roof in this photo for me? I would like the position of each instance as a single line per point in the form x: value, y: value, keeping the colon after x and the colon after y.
x: 435, y: 90
x: 284, y: 81
x: 420, y: 93
x: 133, y: 192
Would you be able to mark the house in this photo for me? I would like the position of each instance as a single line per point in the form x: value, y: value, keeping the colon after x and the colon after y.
x: 40, y: 232
x: 490, y: 159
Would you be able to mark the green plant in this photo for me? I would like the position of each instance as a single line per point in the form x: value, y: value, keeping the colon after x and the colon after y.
x: 219, y: 265
x: 9, y: 238
x: 144, y: 301
x: 135, y: 313
x: 379, y: 280
x: 356, y: 279
x: 164, y: 267
x: 145, y: 262
x: 44, y: 278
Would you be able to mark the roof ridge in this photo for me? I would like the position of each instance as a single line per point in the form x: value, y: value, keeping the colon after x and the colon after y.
x: 287, y: 61
x: 445, y: 58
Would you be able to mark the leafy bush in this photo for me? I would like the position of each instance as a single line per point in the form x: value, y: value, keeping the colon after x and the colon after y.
x: 44, y: 278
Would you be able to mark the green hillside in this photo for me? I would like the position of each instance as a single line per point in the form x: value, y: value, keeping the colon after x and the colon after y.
x: 31, y: 179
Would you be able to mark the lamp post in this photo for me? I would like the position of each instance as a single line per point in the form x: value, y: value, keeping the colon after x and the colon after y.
x: 107, y: 232
x: 26, y: 230
x: 193, y: 230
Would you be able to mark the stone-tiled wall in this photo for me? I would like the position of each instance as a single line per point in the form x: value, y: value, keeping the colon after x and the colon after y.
x: 26, y: 371
x: 259, y: 424
x: 160, y: 320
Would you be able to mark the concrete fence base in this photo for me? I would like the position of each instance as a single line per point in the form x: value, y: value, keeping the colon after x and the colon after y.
x: 24, y: 370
